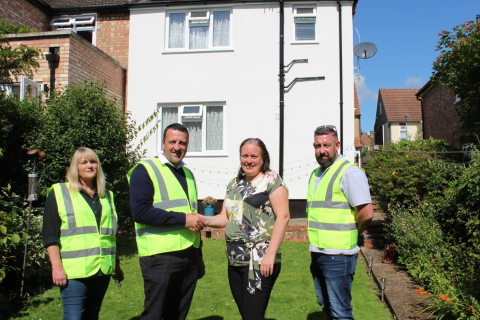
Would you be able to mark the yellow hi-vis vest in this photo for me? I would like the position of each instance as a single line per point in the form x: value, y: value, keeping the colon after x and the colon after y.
x: 331, y: 219
x: 83, y: 248
x: 168, y: 195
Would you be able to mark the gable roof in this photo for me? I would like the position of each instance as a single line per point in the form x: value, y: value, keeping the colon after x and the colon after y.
x: 356, y: 104
x: 399, y: 102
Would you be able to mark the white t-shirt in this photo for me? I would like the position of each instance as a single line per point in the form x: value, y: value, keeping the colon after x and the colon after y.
x: 354, y: 184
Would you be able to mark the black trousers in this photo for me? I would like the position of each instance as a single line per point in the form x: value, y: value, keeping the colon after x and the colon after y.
x: 251, y: 306
x: 169, y: 282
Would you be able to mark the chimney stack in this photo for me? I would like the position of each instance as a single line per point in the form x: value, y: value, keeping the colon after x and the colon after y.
x: 478, y: 18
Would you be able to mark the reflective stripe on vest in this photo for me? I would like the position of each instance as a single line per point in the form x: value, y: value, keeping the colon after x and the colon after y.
x: 331, y: 220
x: 165, y: 238
x: 73, y: 230
x: 84, y: 249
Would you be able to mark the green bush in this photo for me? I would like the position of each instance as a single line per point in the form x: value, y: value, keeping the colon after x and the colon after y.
x: 405, y: 177
x: 85, y: 116
x: 17, y: 120
x: 434, y: 217
x: 13, y: 232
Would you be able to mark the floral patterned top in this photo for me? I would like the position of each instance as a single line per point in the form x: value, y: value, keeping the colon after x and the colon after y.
x: 251, y: 221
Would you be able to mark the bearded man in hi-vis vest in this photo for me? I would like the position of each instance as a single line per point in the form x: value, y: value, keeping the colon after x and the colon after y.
x: 163, y: 196
x: 339, y: 208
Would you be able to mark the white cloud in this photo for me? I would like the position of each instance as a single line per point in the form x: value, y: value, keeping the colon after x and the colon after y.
x: 364, y: 93
x: 414, y: 82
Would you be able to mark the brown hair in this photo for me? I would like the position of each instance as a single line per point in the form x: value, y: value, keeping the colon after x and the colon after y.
x: 265, y: 155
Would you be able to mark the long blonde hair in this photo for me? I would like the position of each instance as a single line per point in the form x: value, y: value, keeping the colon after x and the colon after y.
x: 72, y: 173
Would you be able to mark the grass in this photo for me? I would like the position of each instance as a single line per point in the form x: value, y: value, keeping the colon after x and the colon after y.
x: 293, y: 296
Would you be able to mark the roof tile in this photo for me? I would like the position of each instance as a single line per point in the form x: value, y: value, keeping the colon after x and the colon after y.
x: 401, y: 102
x: 357, y: 105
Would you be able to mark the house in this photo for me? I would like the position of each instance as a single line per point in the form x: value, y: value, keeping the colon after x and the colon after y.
x: 92, y: 43
x: 440, y: 120
x: 367, y: 139
x: 398, y: 117
x: 213, y: 66
x: 358, y: 130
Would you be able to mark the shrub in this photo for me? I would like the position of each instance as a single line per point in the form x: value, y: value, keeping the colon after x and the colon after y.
x: 13, y: 226
x: 85, y: 116
x: 405, y: 177
x: 435, y: 221
x: 17, y: 120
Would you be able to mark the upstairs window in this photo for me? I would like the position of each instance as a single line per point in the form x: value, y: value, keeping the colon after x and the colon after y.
x: 199, y: 29
x: 305, y: 19
x: 83, y: 25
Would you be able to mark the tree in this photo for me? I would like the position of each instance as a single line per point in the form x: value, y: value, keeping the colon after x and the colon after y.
x: 18, y: 61
x: 458, y: 67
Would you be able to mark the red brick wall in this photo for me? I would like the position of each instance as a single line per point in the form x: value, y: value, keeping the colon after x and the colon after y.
x: 87, y: 62
x: 112, y: 35
x: 23, y: 12
x: 440, y: 120
x: 79, y: 61
x: 296, y: 233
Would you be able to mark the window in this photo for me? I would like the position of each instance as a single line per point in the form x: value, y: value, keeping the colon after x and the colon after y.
x: 25, y: 89
x: 305, y: 19
x: 204, y: 123
x: 380, y: 107
x: 403, y: 131
x: 83, y: 25
x: 199, y: 30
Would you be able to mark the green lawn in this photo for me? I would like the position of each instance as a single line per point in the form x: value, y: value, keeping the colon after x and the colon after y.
x: 293, y: 296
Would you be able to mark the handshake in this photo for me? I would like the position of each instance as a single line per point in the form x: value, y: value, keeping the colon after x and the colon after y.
x: 195, y: 221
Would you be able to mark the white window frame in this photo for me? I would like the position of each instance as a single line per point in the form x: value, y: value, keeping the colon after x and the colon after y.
x: 188, y: 22
x: 296, y: 19
x: 8, y: 88
x: 200, y: 118
x: 75, y: 25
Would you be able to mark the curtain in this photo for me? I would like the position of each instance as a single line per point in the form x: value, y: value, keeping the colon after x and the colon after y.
x: 198, y: 37
x: 221, y: 28
x: 195, y: 136
x: 214, y: 128
x: 304, y: 31
x: 177, y: 30
x: 169, y: 116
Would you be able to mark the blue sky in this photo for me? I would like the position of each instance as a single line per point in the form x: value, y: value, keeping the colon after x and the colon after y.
x: 406, y: 35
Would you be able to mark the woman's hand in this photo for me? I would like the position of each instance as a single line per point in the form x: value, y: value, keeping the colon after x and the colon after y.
x: 119, y: 273
x: 266, y: 267
x: 59, y: 276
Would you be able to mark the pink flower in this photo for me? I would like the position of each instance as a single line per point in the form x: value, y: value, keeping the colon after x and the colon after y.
x: 272, y: 176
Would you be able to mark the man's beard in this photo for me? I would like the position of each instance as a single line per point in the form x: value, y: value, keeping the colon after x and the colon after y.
x: 328, y: 162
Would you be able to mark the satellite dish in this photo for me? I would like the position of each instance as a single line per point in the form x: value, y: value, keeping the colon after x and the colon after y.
x: 365, y: 50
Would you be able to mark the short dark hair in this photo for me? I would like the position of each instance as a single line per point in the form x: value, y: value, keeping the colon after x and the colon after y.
x: 324, y: 131
x: 176, y: 127
x: 265, y: 155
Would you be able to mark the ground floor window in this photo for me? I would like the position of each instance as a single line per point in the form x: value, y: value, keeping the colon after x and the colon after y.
x: 204, y: 122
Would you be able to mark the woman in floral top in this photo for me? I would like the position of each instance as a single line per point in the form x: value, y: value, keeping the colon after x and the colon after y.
x: 256, y: 214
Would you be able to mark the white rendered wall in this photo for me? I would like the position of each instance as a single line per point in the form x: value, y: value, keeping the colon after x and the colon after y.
x: 246, y: 79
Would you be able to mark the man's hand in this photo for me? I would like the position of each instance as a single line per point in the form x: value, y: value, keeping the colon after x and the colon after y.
x: 59, y: 276
x: 194, y: 221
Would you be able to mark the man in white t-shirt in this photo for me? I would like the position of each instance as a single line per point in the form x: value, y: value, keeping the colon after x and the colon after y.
x: 339, y: 208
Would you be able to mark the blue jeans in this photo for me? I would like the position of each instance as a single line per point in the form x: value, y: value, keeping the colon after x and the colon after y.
x: 83, y: 297
x: 332, y: 277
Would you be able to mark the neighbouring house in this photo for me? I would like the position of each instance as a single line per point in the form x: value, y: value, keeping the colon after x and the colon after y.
x: 91, y: 40
x: 213, y: 66
x: 440, y: 120
x: 398, y: 117
x: 367, y: 139
x: 358, y: 130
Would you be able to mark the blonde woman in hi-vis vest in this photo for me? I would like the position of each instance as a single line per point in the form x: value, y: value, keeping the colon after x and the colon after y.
x: 79, y: 232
